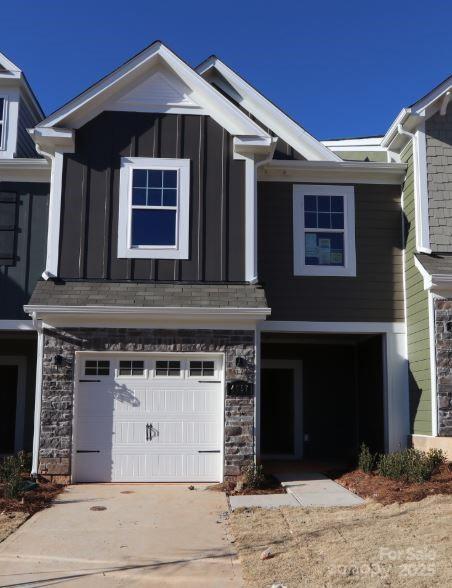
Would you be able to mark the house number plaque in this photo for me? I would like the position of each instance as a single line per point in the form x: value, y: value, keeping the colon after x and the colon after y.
x: 240, y: 388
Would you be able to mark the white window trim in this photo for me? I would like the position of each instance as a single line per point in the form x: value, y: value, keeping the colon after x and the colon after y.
x: 180, y: 250
x: 3, y: 121
x: 300, y: 268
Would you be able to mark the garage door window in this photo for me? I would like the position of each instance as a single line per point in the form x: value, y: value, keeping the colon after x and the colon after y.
x: 131, y: 368
x: 97, y: 368
x: 202, y: 368
x: 167, y: 368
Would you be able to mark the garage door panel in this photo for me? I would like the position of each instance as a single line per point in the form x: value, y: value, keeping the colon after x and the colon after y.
x: 186, y: 415
x: 168, y: 467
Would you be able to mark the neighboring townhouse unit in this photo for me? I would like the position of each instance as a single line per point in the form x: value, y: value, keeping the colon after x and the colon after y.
x: 421, y: 136
x: 24, y: 191
x: 219, y: 286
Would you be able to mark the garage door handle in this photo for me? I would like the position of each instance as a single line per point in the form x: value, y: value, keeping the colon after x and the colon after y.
x: 88, y: 451
x: 209, y: 451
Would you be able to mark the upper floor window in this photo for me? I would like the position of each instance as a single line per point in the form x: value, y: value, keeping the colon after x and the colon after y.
x: 154, y: 208
x: 2, y: 123
x: 324, y: 230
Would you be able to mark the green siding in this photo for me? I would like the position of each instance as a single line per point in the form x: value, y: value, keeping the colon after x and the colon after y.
x: 417, y: 316
x: 363, y: 155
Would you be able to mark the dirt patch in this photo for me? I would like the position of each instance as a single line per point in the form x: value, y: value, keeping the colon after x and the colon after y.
x: 10, y: 521
x: 270, y: 486
x: 371, y: 545
x: 33, y: 500
x: 387, y: 491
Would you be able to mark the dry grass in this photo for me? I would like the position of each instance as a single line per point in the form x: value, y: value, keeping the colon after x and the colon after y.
x: 10, y: 521
x: 372, y: 545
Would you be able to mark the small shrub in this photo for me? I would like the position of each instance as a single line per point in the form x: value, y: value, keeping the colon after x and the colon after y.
x: 11, y: 468
x: 410, y: 465
x: 253, y: 476
x: 366, y: 459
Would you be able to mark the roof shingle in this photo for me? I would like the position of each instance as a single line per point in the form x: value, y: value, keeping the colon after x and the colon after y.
x: 136, y: 294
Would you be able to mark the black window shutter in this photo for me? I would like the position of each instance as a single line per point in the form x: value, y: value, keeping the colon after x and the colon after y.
x: 8, y: 227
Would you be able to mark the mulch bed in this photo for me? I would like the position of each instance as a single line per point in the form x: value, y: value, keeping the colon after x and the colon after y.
x: 271, y: 486
x: 387, y: 491
x: 33, y: 500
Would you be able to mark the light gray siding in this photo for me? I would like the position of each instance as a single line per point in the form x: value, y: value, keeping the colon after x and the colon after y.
x: 25, y: 144
x: 438, y: 130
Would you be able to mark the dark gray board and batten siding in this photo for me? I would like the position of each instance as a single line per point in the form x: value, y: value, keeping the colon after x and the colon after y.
x: 89, y: 218
x: 374, y: 295
x: 24, y: 211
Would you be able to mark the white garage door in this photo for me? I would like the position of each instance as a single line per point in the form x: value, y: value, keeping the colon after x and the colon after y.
x: 148, y: 419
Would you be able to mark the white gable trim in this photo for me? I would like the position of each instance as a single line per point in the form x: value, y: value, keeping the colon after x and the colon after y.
x: 92, y: 101
x: 11, y: 69
x: 269, y: 115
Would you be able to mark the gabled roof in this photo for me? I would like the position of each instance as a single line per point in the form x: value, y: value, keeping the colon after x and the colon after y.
x: 409, y: 118
x: 133, y: 72
x: 266, y: 112
x: 9, y: 71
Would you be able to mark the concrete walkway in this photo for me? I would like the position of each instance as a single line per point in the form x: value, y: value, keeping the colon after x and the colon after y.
x: 314, y: 489
x: 303, y: 489
x: 148, y: 535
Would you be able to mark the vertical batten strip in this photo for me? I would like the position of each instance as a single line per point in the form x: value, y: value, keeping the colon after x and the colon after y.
x: 83, y: 211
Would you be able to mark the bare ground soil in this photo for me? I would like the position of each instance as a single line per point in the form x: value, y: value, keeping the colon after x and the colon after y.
x: 371, y: 545
x: 14, y: 512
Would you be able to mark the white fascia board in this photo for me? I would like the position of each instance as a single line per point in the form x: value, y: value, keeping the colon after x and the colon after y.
x: 24, y: 170
x: 161, y: 311
x: 353, y: 172
x: 50, y: 140
x: 438, y: 283
x: 11, y: 67
x: 270, y: 115
x: 362, y: 144
x: 331, y: 327
x: 219, y: 107
x: 425, y: 104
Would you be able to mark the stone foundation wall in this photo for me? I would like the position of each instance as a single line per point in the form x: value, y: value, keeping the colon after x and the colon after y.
x: 443, y: 335
x: 58, y: 385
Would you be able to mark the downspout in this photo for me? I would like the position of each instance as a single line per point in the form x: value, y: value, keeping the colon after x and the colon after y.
x: 47, y: 274
x: 37, y: 324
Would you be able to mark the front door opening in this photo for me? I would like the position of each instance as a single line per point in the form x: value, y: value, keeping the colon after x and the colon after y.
x: 337, y: 405
x: 9, y: 375
x: 281, y: 409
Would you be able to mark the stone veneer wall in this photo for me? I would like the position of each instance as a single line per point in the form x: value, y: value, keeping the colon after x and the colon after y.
x: 58, y: 386
x: 443, y: 335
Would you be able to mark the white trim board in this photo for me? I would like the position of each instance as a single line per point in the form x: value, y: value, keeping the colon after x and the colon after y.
x: 92, y: 101
x: 395, y: 366
x: 17, y: 325
x: 124, y: 246
x: 300, y: 268
x: 297, y: 366
x: 21, y: 362
x: 267, y: 113
x: 330, y: 327
x: 421, y: 190
x: 321, y: 172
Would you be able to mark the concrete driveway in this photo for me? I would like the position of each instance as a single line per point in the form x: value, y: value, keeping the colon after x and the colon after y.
x: 162, y: 535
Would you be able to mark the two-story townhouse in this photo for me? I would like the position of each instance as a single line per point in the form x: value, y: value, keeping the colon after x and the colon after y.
x: 421, y: 136
x: 219, y: 285
x: 24, y: 190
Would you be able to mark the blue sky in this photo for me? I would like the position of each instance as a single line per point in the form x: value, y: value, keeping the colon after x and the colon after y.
x: 340, y: 68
